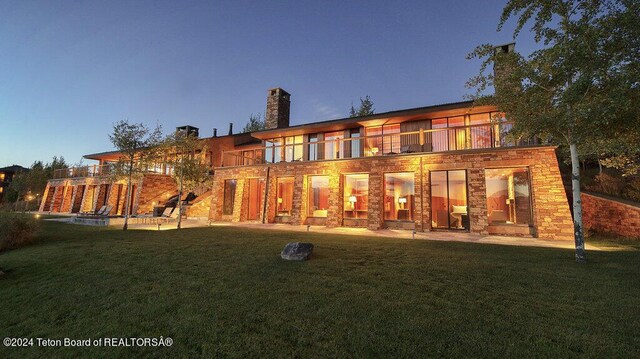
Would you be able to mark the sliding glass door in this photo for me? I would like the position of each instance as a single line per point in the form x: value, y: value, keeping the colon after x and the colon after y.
x: 449, y: 200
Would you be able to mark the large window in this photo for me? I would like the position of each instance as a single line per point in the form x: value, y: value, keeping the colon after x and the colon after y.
x: 449, y: 199
x: 480, y: 130
x: 508, y: 196
x: 332, y: 148
x: 318, y: 196
x: 355, y: 146
x: 313, y: 147
x: 284, y: 195
x: 293, y: 148
x: 399, y: 193
x: 273, y: 150
x: 356, y: 196
x: 388, y: 143
x: 229, y: 196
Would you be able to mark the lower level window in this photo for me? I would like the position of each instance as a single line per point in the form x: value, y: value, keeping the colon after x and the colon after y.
x: 284, y: 195
x: 318, y: 196
x: 399, y: 193
x: 229, y: 196
x: 356, y: 196
x: 508, y: 196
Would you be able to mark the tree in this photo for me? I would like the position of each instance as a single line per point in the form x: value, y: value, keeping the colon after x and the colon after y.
x: 187, y: 156
x: 35, y: 180
x: 256, y: 123
x: 137, y: 145
x: 581, y: 84
x: 365, y: 109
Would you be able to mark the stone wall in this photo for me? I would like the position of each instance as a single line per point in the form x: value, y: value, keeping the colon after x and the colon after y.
x: 609, y: 216
x: 551, y: 215
x: 154, y: 190
x: 151, y: 190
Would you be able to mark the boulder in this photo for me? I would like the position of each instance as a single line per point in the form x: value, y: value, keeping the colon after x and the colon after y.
x: 297, y: 251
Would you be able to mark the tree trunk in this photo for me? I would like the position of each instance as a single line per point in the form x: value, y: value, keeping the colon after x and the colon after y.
x: 179, y: 206
x: 128, y: 203
x: 581, y: 256
x: 180, y: 197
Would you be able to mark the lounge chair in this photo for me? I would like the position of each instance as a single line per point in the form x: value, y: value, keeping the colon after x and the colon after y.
x: 92, y: 213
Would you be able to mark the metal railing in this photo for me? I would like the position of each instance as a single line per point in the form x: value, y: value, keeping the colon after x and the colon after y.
x: 98, y: 171
x: 423, y: 141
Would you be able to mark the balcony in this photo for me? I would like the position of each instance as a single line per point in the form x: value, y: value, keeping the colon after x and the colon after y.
x: 422, y: 141
x: 99, y: 171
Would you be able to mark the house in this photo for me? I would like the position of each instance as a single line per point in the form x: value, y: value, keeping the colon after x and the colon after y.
x: 6, y: 176
x: 451, y: 167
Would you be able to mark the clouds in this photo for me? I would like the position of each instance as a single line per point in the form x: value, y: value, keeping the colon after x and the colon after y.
x: 326, y: 112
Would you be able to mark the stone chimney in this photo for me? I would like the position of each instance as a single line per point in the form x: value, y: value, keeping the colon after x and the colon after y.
x: 502, y: 67
x: 278, y: 107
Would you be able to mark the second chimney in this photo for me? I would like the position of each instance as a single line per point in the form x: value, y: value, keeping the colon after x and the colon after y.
x: 278, y: 107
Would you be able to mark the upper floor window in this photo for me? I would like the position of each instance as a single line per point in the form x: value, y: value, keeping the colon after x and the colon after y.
x: 383, y: 140
x: 273, y: 150
x: 293, y: 148
x: 313, y: 147
x: 355, y: 145
x: 332, y: 145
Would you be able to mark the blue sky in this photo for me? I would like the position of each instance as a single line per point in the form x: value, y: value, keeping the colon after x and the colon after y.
x: 70, y: 69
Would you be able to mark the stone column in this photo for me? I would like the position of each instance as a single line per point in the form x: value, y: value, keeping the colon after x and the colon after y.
x: 376, y: 194
x: 478, y: 217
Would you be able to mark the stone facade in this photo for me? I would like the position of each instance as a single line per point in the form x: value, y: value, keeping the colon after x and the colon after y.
x: 91, y: 193
x: 551, y: 216
x: 609, y: 216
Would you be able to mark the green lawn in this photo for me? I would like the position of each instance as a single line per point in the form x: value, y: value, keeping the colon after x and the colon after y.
x: 225, y: 292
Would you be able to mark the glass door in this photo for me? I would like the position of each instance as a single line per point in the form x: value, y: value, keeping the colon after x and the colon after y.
x: 449, y: 200
x: 256, y: 198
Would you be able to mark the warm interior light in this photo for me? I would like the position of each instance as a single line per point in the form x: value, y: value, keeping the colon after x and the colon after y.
x: 353, y: 199
x: 402, y: 200
x: 279, y: 200
x: 374, y: 150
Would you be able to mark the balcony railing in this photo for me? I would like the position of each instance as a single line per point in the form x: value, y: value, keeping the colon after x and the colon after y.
x: 422, y: 141
x: 99, y: 171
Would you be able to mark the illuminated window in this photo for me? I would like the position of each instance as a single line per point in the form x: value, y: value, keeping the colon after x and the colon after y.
x: 229, y: 196
x: 313, y: 147
x: 293, y: 148
x: 480, y: 130
x: 356, y: 195
x: 385, y: 140
x: 399, y: 192
x: 273, y: 150
x: 374, y: 141
x: 333, y: 144
x: 508, y: 196
x: 318, y: 196
x: 284, y: 196
x: 449, y: 199
x: 355, y: 145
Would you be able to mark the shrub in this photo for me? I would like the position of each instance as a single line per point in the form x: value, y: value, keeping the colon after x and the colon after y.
x: 607, y: 184
x: 16, y: 230
x: 632, y: 191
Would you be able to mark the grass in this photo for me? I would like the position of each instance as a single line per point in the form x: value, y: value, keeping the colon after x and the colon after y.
x: 224, y: 292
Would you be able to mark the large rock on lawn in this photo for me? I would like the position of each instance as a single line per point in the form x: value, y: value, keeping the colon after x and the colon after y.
x: 297, y: 251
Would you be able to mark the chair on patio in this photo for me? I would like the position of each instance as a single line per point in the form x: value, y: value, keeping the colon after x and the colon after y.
x: 92, y: 213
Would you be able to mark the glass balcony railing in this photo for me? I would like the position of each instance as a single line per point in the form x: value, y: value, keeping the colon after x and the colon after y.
x: 422, y: 141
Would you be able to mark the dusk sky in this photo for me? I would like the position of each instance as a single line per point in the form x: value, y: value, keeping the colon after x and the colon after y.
x: 70, y: 69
